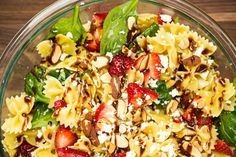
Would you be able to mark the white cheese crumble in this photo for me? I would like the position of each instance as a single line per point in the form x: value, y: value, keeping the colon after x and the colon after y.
x: 153, y: 148
x: 166, y: 18
x: 163, y: 135
x: 74, y: 83
x: 69, y: 35
x: 144, y: 125
x: 124, y: 95
x: 102, y: 138
x: 106, y: 128
x: 198, y: 51
x: 152, y: 83
x: 174, y: 92
x: 139, y: 101
x: 175, y: 114
x: 150, y: 48
x: 122, y: 32
x: 110, y: 55
x: 210, y: 61
x: 39, y: 134
x: 85, y: 111
x: 169, y: 149
x: 130, y: 154
x: 63, y: 56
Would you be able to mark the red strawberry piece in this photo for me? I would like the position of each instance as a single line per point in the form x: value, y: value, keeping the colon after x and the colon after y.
x: 91, y: 45
x: 177, y: 119
x: 64, y: 137
x: 135, y: 94
x: 204, y: 121
x: 119, y: 64
x: 59, y: 104
x: 25, y: 149
x: 149, y: 96
x: 98, y: 19
x: 68, y: 152
x: 128, y: 63
x: 105, y: 113
x: 122, y: 154
x: 159, y: 20
x: 97, y: 37
x: 147, y: 76
x: 222, y: 147
x: 188, y: 115
x: 154, y: 66
x: 139, y: 61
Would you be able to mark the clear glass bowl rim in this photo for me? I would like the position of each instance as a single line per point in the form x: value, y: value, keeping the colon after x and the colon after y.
x: 10, y: 55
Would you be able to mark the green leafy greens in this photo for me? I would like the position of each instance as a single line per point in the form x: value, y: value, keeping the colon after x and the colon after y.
x: 34, y: 82
x: 151, y: 31
x: 60, y: 74
x: 115, y: 27
x: 163, y: 93
x: 227, y: 127
x: 72, y: 24
x: 42, y: 115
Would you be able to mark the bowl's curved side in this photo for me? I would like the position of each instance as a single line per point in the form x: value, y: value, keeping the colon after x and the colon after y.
x: 36, y: 29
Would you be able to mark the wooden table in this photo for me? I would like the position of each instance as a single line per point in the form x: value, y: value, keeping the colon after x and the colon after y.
x: 15, y: 13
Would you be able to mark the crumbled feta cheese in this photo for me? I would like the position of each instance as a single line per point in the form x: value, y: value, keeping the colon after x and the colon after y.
x: 122, y: 32
x: 139, y: 101
x: 152, y: 83
x: 175, y: 114
x: 63, y: 56
x: 85, y: 111
x: 69, y: 35
x: 106, y: 128
x: 194, y: 104
x: 163, y: 135
x: 124, y: 95
x: 174, y: 92
x: 110, y: 55
x: 150, y: 48
x: 136, y: 142
x: 102, y: 138
x: 147, y: 97
x: 198, y: 51
x: 144, y: 125
x: 39, y: 134
x: 130, y: 154
x: 74, y: 83
x: 210, y: 61
x: 204, y: 75
x: 228, y: 102
x: 169, y: 149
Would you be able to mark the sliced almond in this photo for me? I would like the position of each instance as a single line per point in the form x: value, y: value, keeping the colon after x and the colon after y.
x: 106, y: 78
x: 100, y: 61
x: 122, y: 128
x: 131, y: 22
x: 171, y: 107
x: 115, y: 86
x: 121, y: 109
x: 143, y: 63
x: 121, y: 141
x: 86, y: 127
x: 56, y: 54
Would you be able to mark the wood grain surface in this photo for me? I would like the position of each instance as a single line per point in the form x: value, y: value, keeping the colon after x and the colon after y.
x: 15, y: 13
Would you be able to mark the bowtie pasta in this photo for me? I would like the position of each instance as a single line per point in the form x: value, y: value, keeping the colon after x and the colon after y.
x: 122, y: 85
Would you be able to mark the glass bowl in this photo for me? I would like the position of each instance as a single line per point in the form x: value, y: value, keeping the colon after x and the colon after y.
x: 20, y: 55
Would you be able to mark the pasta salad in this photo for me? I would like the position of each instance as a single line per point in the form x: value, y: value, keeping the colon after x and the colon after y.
x: 123, y: 85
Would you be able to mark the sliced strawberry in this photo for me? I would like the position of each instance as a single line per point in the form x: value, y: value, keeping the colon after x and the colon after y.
x: 105, y: 113
x: 98, y: 19
x: 222, y: 147
x: 128, y: 63
x: 25, y: 149
x: 159, y: 20
x: 149, y: 96
x: 177, y: 119
x: 188, y: 115
x: 154, y: 66
x: 68, y: 152
x: 64, y: 137
x: 139, y: 97
x: 122, y: 154
x: 147, y: 76
x: 91, y: 46
x: 139, y: 62
x: 59, y: 104
x: 204, y: 121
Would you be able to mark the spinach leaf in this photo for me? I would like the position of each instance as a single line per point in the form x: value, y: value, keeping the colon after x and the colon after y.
x: 42, y: 115
x: 60, y: 74
x: 163, y: 93
x: 151, y: 31
x: 227, y: 124
x: 72, y: 24
x: 34, y: 82
x: 115, y: 27
x: 176, y: 20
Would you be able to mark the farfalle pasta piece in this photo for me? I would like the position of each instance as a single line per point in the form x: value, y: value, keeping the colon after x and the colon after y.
x: 67, y: 45
x: 153, y: 45
x: 165, y: 38
x: 68, y: 63
x: 146, y: 20
x: 53, y: 89
x: 151, y: 149
x: 176, y: 28
x: 206, y: 47
x: 45, y: 48
x: 83, y: 144
x: 18, y: 108
x: 44, y: 152
x: 69, y: 116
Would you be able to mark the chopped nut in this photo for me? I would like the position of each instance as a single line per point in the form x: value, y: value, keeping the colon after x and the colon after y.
x: 115, y: 87
x: 121, y: 141
x: 86, y: 127
x: 106, y: 78
x: 122, y: 128
x: 121, y: 109
x: 100, y: 61
x: 184, y: 43
x: 56, y: 54
x: 192, y: 61
x: 131, y: 22
x: 171, y: 107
